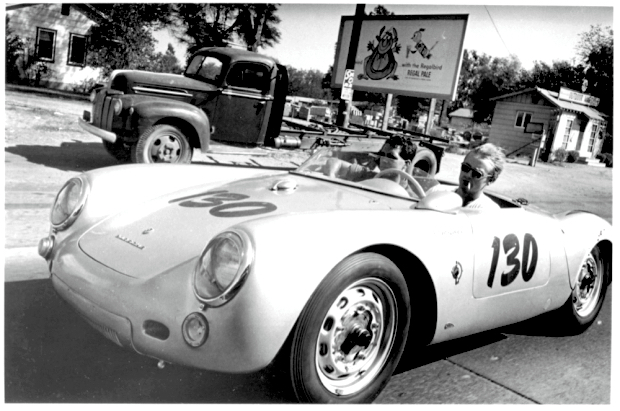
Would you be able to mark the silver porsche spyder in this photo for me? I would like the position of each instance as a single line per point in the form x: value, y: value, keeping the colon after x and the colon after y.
x: 229, y: 269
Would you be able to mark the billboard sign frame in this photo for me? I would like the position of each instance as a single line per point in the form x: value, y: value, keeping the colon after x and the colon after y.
x: 410, y: 55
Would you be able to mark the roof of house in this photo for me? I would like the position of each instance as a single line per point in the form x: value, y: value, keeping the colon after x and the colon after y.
x: 463, y: 113
x: 553, y: 98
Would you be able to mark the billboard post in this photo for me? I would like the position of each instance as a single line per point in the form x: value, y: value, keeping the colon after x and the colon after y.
x: 344, y: 108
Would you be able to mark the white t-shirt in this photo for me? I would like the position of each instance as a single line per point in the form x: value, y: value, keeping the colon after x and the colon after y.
x: 482, y: 202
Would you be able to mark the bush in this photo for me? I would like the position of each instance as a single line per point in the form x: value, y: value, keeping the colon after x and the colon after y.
x: 606, y: 158
x: 560, y: 155
x: 572, y: 156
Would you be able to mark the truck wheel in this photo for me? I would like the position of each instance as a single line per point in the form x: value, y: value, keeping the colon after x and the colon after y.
x: 351, y: 334
x: 162, y: 143
x: 118, y: 150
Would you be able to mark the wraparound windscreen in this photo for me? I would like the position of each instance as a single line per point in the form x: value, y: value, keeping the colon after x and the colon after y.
x: 416, y: 56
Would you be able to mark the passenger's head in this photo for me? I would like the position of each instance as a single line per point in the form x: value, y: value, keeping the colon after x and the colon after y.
x: 396, y: 152
x: 481, y: 167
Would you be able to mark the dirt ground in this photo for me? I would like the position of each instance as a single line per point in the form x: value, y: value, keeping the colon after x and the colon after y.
x: 44, y: 146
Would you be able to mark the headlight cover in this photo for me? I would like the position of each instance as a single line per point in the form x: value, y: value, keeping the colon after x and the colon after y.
x: 69, y: 202
x: 223, y: 267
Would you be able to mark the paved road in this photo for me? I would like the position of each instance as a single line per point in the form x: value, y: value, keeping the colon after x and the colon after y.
x: 53, y: 356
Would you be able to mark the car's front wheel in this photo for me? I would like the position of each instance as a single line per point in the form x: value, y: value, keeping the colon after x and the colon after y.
x: 351, y: 334
x: 162, y: 143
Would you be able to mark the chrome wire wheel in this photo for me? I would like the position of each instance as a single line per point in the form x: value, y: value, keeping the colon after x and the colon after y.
x: 588, y: 287
x: 356, y: 336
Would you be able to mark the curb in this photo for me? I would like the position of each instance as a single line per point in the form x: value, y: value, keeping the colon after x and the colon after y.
x: 47, y: 92
x: 23, y: 264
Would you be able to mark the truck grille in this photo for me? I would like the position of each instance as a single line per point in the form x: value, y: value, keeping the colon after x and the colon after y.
x: 102, y: 111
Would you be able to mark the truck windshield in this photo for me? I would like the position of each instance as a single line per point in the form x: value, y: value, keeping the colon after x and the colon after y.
x: 206, y: 68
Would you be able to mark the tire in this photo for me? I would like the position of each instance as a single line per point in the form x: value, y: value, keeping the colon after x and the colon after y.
x: 586, y: 299
x: 425, y: 160
x: 162, y: 143
x: 352, y: 332
x: 118, y: 150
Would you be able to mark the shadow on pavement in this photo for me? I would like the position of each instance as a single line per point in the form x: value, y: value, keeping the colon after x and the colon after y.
x: 69, y: 156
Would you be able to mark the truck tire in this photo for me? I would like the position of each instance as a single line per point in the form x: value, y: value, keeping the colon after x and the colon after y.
x: 162, y: 143
x: 425, y: 160
x: 117, y: 150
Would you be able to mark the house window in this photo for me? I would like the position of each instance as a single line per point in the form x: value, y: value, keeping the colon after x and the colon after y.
x: 593, y: 135
x: 77, y: 50
x: 523, y: 117
x: 46, y: 44
x: 569, y: 126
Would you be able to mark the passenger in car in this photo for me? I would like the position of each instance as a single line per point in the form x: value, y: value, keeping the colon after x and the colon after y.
x: 480, y: 168
x: 397, y: 152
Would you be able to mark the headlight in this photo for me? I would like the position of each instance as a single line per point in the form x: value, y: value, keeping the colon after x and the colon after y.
x: 69, y: 202
x: 223, y: 267
x: 93, y: 95
x: 117, y: 105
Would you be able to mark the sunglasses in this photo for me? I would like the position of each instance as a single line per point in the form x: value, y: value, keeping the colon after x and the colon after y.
x: 476, y: 174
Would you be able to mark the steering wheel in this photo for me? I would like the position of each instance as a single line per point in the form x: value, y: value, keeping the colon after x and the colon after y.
x: 415, y: 186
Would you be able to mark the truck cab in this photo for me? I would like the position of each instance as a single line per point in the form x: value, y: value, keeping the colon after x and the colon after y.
x: 229, y: 95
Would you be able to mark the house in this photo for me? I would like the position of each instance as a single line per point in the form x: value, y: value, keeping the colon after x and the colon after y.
x: 57, y: 36
x: 544, y: 120
x: 462, y: 118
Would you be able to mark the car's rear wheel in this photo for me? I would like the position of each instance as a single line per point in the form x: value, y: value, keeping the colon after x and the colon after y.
x: 586, y: 300
x: 162, y: 143
x: 351, y: 334
x: 118, y: 150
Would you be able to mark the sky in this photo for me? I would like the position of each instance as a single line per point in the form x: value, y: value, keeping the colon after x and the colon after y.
x: 530, y: 31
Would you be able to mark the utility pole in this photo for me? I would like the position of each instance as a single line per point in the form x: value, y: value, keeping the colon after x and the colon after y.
x: 344, y: 108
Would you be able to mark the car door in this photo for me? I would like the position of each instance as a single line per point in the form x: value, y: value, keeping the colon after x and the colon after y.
x: 243, y: 105
x: 513, y: 275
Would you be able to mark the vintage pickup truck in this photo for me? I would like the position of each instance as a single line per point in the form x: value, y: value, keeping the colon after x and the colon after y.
x: 225, y: 94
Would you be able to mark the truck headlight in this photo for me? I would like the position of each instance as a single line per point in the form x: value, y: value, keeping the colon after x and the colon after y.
x: 69, y: 202
x: 117, y: 106
x: 223, y: 267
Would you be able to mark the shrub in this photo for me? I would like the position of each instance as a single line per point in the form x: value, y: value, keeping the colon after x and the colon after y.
x: 560, y: 155
x: 606, y: 158
x: 572, y: 156
x: 85, y: 86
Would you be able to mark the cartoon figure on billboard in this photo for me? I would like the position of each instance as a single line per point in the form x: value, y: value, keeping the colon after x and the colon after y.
x: 381, y: 64
x: 420, y: 47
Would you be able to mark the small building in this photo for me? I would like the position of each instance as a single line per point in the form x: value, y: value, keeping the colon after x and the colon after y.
x: 57, y: 37
x: 462, y: 118
x: 536, y: 118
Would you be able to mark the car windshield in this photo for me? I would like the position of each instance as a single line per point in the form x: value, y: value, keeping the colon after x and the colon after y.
x: 205, y: 68
x: 369, y: 171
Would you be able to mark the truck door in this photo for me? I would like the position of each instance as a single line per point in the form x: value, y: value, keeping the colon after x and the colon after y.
x: 243, y: 108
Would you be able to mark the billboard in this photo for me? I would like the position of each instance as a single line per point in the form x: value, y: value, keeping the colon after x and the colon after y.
x: 416, y: 56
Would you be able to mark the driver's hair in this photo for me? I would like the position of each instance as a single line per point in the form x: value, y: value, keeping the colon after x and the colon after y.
x: 495, y: 154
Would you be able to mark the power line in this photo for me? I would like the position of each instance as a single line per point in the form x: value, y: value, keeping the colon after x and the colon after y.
x: 498, y: 33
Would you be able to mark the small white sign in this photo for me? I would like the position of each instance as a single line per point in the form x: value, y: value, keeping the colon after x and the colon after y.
x: 347, y: 85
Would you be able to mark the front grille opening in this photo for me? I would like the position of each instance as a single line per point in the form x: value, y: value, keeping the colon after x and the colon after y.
x: 156, y: 330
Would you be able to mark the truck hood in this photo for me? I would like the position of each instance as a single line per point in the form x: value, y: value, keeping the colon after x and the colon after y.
x: 156, y: 236
x: 130, y: 79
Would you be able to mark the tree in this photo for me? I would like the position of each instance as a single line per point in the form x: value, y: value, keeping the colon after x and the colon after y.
x: 381, y: 11
x: 212, y: 25
x: 124, y: 39
x: 166, y: 63
x: 596, y: 51
x: 307, y: 83
x: 14, y: 49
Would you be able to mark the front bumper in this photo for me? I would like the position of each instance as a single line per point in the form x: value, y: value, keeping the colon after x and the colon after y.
x: 103, y: 134
x: 124, y: 310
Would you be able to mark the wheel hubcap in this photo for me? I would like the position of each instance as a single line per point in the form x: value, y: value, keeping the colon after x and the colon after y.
x: 588, y: 287
x: 356, y: 337
x: 166, y: 149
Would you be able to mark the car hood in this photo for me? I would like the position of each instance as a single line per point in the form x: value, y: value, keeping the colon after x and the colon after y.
x: 129, y: 79
x: 158, y: 235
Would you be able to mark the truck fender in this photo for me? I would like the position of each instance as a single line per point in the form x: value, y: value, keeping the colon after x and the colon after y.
x: 192, y: 121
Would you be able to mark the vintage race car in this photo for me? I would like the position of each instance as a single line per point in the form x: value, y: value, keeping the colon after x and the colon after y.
x: 321, y: 270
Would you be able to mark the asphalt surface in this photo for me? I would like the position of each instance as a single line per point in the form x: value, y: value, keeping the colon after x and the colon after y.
x: 53, y: 356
